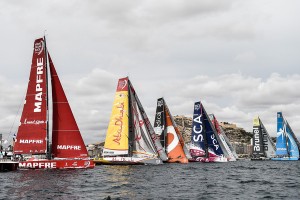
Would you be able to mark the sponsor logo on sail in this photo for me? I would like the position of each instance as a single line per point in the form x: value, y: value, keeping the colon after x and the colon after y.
x: 172, y: 145
x: 122, y: 84
x: 256, y: 146
x: 25, y: 141
x: 214, y: 141
x: 160, y: 103
x: 119, y: 123
x: 197, y: 106
x: 198, y: 131
x: 34, y: 122
x: 281, y: 149
x: 38, y: 86
x: 158, y: 123
x: 38, y: 47
x: 69, y: 147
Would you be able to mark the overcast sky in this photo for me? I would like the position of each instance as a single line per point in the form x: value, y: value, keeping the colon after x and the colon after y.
x: 240, y: 58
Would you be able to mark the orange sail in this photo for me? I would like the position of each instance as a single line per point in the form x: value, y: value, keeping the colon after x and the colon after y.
x: 174, y: 149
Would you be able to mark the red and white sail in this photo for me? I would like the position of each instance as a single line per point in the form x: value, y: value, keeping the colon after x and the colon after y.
x: 32, y: 132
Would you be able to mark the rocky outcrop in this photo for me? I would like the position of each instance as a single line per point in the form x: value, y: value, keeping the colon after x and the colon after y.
x: 238, y: 135
x: 184, y: 125
x: 234, y: 133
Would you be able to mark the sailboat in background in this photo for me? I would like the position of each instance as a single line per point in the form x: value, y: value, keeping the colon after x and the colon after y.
x: 263, y: 146
x: 32, y: 141
x: 169, y: 134
x: 205, y: 141
x: 130, y: 138
x: 287, y: 145
x: 229, y: 151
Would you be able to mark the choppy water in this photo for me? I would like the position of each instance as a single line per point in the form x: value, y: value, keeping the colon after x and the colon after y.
x: 233, y: 180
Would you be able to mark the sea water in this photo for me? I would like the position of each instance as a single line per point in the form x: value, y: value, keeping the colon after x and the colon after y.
x: 233, y: 180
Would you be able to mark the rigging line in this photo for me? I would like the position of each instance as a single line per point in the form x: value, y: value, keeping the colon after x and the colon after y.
x: 10, y: 131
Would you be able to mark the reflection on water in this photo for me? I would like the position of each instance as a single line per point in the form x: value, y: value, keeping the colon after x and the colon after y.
x: 42, y: 184
x: 118, y: 180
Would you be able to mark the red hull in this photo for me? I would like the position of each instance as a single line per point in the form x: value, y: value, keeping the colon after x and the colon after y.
x: 57, y: 164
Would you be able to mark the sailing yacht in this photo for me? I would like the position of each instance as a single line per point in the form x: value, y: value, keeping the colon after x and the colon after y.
x: 169, y: 134
x: 229, y: 151
x: 130, y: 138
x: 263, y: 146
x: 32, y: 142
x: 205, y: 141
x: 287, y: 144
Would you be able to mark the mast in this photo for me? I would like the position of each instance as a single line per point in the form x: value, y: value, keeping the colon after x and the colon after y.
x: 262, y: 137
x: 205, y: 134
x: 159, y: 122
x: 130, y: 121
x: 286, y: 138
x: 48, y: 152
x: 258, y: 146
x: 163, y: 136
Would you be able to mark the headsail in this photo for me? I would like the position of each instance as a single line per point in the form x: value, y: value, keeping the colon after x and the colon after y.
x: 156, y: 140
x: 293, y: 148
x: 32, y: 133
x: 66, y: 138
x: 142, y: 144
x: 289, y: 130
x: 173, y: 145
x: 179, y: 135
x: 213, y: 141
x: 226, y: 144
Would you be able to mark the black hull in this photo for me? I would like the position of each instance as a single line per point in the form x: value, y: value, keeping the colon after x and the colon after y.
x: 260, y: 159
x: 6, y: 166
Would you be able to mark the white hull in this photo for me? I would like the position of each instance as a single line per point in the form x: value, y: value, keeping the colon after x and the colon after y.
x: 118, y: 160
